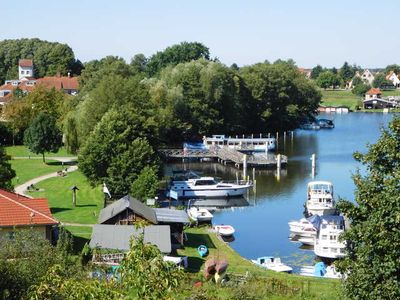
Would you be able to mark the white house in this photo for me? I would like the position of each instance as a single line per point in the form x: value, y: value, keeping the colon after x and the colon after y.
x: 367, y: 76
x: 25, y: 68
x: 392, y: 76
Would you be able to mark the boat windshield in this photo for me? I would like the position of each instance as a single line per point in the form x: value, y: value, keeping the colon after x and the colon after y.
x: 205, y: 182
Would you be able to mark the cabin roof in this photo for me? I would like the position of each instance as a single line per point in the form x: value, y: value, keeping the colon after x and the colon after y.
x: 319, y: 182
x: 125, y: 202
x: 167, y: 215
x: 118, y: 236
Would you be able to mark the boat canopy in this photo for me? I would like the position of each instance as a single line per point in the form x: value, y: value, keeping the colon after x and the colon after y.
x: 315, y: 220
x: 319, y: 269
x: 194, y: 146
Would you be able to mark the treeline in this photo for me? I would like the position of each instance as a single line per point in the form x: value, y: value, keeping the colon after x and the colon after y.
x: 342, y: 77
x: 49, y: 58
x: 125, y: 111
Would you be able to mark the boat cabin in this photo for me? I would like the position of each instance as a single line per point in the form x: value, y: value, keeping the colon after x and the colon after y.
x: 240, y: 143
x: 320, y: 189
x: 204, y: 181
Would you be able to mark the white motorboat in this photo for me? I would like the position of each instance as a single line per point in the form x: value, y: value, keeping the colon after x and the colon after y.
x: 224, y: 230
x: 272, y: 263
x: 320, y: 198
x: 321, y: 270
x: 327, y: 242
x: 305, y: 227
x: 207, y: 187
x: 199, y: 214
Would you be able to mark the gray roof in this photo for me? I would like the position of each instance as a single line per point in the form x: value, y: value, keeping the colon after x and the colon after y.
x: 120, y: 205
x: 118, y: 236
x: 167, y: 215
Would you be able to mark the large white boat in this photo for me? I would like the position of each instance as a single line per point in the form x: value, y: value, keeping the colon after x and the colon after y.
x: 272, y: 263
x: 253, y: 144
x: 207, y: 187
x: 305, y: 227
x: 320, y: 199
x: 327, y: 242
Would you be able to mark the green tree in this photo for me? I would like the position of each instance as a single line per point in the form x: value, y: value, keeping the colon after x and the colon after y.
x: 284, y: 97
x: 183, y: 52
x: 139, y: 63
x: 6, y: 172
x: 381, y: 82
x: 117, y: 150
x: 360, y: 89
x: 394, y: 67
x: 146, y: 184
x: 373, y: 240
x: 71, y: 134
x: 316, y: 71
x: 326, y: 79
x: 43, y: 135
x: 346, y: 72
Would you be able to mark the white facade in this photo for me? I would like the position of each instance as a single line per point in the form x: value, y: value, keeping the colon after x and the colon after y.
x: 367, y: 76
x: 25, y: 72
x: 394, y: 79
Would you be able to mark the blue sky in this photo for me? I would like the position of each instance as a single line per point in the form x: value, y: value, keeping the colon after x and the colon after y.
x: 309, y: 31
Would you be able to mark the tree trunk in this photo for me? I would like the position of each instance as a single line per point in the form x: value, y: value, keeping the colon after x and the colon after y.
x: 44, y: 161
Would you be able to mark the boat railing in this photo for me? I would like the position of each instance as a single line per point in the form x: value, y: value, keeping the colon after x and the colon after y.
x: 239, y: 182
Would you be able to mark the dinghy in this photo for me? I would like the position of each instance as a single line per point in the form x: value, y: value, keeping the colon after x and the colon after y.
x: 224, y: 230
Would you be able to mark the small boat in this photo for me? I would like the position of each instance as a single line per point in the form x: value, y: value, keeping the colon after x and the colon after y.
x: 305, y: 227
x: 310, y: 126
x: 320, y: 198
x: 199, y: 214
x: 309, y: 241
x: 202, y: 250
x: 325, y: 123
x: 320, y: 270
x: 272, y: 263
x: 224, y: 230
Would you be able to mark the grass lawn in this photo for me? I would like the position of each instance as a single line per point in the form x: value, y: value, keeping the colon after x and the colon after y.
x: 28, y: 169
x: 319, y: 288
x: 57, y: 191
x: 22, y: 151
x: 81, y: 236
x: 347, y: 98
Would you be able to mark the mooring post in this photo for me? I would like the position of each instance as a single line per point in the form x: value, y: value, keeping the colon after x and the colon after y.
x: 260, y: 135
x: 237, y: 178
x: 269, y: 135
x: 244, y: 166
x: 277, y: 135
x: 313, y: 165
x: 254, y: 179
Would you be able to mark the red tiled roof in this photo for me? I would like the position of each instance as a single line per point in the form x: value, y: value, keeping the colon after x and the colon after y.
x: 25, y: 63
x: 65, y: 82
x: 374, y: 91
x: 18, y: 210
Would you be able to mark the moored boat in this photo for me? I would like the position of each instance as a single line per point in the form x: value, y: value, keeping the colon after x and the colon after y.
x: 251, y: 144
x: 207, y: 187
x: 224, y: 230
x: 325, y: 123
x: 199, y: 214
x: 272, y: 263
x: 321, y: 270
x: 320, y: 199
x: 327, y: 242
x: 305, y: 227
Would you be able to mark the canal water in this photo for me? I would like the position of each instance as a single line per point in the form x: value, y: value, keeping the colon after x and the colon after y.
x: 262, y: 227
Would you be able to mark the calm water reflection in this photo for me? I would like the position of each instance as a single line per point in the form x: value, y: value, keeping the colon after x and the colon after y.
x: 261, y: 228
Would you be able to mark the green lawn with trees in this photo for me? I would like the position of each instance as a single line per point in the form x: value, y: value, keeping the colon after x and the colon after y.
x: 57, y: 190
x: 23, y: 151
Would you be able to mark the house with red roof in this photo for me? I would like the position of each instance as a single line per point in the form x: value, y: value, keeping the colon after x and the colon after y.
x: 394, y: 78
x: 19, y: 212
x: 374, y: 100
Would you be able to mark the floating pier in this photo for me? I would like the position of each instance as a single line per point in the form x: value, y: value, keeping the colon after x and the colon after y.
x: 227, y: 155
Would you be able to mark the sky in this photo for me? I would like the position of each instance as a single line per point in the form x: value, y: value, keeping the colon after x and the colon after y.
x: 310, y: 32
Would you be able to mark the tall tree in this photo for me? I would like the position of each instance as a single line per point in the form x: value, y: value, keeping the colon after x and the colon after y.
x: 43, y: 135
x: 6, y: 172
x: 183, y: 52
x: 373, y: 239
x: 326, y: 79
x: 117, y: 150
x: 316, y: 71
x: 346, y: 72
x: 394, y: 67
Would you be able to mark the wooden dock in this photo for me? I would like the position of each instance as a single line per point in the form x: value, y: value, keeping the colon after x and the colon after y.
x: 226, y: 155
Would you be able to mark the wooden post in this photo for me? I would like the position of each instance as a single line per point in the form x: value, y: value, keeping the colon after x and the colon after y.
x: 244, y: 166
x: 254, y: 179
x: 313, y: 165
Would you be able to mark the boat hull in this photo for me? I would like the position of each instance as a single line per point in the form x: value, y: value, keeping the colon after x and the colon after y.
x: 321, y: 211
x: 212, y: 192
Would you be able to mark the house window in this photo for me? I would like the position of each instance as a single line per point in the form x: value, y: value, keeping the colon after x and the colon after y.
x: 22, y: 72
x: 27, y: 72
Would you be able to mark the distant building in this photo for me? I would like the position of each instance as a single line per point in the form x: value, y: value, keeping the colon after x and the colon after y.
x: 373, y: 93
x: 394, y: 78
x: 25, y: 69
x: 19, y: 212
x: 27, y: 83
x: 305, y: 72
x: 367, y: 76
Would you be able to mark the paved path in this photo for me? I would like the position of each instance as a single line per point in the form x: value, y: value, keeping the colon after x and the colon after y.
x: 66, y: 159
x: 22, y: 188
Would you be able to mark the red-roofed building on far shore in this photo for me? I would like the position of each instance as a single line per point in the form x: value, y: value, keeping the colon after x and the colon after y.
x: 305, y: 72
x: 26, y: 82
x: 19, y: 212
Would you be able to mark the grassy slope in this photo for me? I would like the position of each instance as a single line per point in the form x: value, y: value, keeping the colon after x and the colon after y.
x: 347, y: 98
x: 57, y: 191
x: 22, y: 151
x: 318, y: 288
x: 28, y: 169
